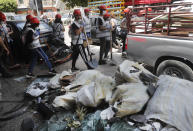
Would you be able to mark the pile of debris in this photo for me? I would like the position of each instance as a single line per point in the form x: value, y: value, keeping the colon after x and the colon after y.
x: 134, y: 99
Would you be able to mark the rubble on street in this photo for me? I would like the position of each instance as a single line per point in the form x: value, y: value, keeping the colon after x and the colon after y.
x: 90, y: 100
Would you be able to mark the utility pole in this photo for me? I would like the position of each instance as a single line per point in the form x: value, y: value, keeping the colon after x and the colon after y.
x: 133, y: 3
x: 38, y: 14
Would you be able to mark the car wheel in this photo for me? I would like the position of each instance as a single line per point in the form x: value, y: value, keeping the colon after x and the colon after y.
x: 176, y: 69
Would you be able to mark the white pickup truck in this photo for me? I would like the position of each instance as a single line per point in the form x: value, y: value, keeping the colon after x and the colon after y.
x: 171, y: 50
x: 169, y: 55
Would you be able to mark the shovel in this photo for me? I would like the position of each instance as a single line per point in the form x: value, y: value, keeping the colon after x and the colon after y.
x: 93, y: 63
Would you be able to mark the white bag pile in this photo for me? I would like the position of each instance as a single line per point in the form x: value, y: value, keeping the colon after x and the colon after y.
x: 93, y: 87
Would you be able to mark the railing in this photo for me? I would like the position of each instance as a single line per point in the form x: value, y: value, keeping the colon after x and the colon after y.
x: 163, y: 23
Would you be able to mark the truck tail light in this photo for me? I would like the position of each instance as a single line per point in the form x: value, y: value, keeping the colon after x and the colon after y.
x: 126, y: 44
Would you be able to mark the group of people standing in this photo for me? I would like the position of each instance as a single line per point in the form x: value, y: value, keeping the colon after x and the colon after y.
x: 31, y: 42
x: 80, y: 32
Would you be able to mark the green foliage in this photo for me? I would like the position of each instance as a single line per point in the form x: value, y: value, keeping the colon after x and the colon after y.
x: 8, y: 5
x: 72, y: 3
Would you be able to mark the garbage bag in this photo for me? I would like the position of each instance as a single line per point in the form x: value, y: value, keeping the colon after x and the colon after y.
x: 172, y: 103
x: 57, y: 122
x: 129, y: 98
x: 66, y: 101
x: 37, y: 89
x: 96, y: 87
x: 92, y: 122
x: 86, y: 95
x: 107, y: 114
x: 132, y: 72
x: 65, y: 73
x: 55, y: 81
x: 123, y: 126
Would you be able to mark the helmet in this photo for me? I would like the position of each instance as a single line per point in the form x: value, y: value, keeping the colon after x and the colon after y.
x: 86, y: 10
x: 58, y: 16
x: 143, y: 12
x: 29, y: 17
x: 127, y: 10
x: 2, y: 16
x: 77, y: 12
x: 102, y: 7
x: 106, y: 15
x: 149, y: 9
x: 34, y: 21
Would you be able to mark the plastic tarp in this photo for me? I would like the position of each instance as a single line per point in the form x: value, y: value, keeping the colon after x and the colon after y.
x: 123, y: 126
x: 129, y: 98
x: 37, y: 89
x: 172, y: 103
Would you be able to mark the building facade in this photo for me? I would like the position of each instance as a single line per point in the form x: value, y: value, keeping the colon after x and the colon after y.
x: 24, y: 6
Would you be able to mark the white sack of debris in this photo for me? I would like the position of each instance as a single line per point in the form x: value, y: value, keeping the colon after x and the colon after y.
x: 37, y: 89
x: 172, y: 103
x: 130, y: 72
x: 66, y: 101
x: 107, y: 114
x: 65, y: 73
x: 86, y: 95
x: 55, y: 81
x: 129, y: 98
x: 95, y: 85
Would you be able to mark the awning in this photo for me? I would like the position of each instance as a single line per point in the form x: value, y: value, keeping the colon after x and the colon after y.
x: 142, y: 2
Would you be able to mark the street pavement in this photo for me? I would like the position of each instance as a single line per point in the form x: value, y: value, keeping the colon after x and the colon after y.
x: 13, y: 89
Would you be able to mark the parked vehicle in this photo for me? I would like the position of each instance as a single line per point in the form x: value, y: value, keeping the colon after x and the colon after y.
x: 167, y: 55
x: 166, y: 47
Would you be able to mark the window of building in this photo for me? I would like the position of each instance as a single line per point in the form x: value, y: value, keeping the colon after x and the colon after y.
x: 20, y: 1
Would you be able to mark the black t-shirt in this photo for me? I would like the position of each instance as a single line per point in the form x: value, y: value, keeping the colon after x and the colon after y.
x: 29, y: 37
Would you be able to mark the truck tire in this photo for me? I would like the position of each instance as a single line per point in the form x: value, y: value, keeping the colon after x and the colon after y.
x: 176, y: 69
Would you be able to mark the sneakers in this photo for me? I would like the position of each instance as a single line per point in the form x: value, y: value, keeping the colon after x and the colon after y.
x: 30, y: 75
x: 92, y: 53
x: 53, y: 72
x: 102, y: 62
x: 124, y: 54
